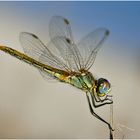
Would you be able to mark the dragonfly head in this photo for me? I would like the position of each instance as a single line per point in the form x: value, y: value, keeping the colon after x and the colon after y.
x: 103, y: 87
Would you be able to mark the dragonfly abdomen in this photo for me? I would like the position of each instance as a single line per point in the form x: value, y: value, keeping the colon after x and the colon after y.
x: 57, y: 73
x: 22, y: 57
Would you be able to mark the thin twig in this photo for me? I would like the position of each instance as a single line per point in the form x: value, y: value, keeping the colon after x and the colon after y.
x: 111, y: 121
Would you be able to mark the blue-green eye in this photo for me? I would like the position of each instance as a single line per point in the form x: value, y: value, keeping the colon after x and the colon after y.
x: 103, y: 87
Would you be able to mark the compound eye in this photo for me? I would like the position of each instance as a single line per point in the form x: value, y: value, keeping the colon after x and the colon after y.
x: 103, y: 87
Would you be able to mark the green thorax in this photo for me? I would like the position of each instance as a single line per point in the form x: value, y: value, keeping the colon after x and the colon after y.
x: 84, y: 81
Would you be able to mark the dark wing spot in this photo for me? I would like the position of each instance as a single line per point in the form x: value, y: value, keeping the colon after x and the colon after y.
x: 68, y: 40
x: 34, y: 36
x: 66, y: 21
x: 107, y: 32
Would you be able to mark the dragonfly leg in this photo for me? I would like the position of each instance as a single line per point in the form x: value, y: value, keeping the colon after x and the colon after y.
x: 96, y: 115
x: 102, y: 103
x: 97, y: 99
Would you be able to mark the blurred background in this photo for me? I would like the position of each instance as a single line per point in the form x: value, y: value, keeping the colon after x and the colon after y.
x: 31, y: 107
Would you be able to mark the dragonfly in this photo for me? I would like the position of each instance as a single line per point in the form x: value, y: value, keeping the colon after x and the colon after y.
x: 66, y: 61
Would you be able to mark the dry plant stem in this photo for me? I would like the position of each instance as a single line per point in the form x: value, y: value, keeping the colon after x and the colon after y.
x: 111, y: 121
x: 111, y: 135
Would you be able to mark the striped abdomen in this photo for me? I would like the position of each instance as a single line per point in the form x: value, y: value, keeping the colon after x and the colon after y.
x: 57, y: 73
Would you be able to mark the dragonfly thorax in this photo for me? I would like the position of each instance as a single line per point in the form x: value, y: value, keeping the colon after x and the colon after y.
x: 84, y: 81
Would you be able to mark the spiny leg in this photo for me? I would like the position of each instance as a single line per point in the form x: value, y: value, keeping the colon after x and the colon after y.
x: 95, y: 115
x: 98, y: 117
x: 102, y: 104
x: 98, y: 100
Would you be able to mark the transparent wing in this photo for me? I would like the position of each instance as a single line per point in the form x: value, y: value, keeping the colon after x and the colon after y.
x: 34, y: 48
x: 63, y: 51
x: 90, y: 45
x: 31, y: 44
x: 60, y: 27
